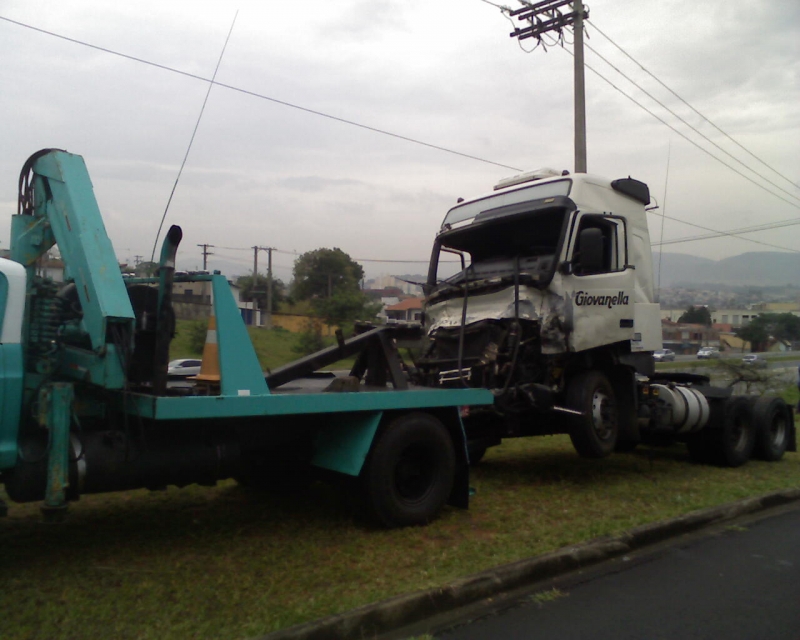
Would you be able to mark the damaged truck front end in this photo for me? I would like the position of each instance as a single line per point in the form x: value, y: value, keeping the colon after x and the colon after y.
x: 498, y: 322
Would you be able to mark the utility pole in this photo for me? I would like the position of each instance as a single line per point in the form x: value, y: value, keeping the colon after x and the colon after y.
x: 269, y: 287
x: 206, y: 253
x: 255, y: 281
x: 544, y: 17
x: 580, y: 90
x: 254, y: 290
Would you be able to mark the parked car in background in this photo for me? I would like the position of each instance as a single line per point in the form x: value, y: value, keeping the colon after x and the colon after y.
x: 664, y: 355
x: 183, y: 367
x: 756, y: 361
x: 707, y: 353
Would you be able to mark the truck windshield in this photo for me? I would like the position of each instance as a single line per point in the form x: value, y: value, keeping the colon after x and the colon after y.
x: 469, y: 210
x: 526, y: 236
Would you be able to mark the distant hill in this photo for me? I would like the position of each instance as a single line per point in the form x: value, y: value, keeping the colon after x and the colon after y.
x: 761, y: 268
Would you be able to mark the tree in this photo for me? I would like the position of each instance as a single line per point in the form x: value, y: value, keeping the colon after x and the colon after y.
x: 344, y: 307
x: 779, y: 326
x: 310, y: 340
x: 696, y: 315
x: 324, y: 272
x: 198, y: 331
x: 751, y: 380
x: 259, y: 292
x: 146, y: 269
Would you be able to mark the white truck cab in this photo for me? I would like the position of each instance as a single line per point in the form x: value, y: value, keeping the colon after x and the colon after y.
x: 570, y: 252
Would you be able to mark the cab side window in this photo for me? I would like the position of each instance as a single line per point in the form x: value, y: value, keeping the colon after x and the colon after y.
x: 612, y: 238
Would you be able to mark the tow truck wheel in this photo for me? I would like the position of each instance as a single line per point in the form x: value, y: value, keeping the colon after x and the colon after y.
x: 594, y: 433
x: 772, y: 418
x: 410, y: 471
x: 732, y: 444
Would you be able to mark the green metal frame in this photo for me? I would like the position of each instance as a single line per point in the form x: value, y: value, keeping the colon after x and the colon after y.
x: 344, y: 443
x: 55, y: 408
x: 68, y: 214
x: 240, y: 372
x: 11, y: 386
x: 278, y: 404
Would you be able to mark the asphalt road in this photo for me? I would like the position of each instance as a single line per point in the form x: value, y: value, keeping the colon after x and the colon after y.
x: 741, y: 583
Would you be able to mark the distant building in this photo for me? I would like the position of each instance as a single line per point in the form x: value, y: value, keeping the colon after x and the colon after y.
x: 736, y: 318
x: 193, y: 300
x: 52, y: 268
x: 393, y: 282
x: 688, y: 338
x: 409, y: 310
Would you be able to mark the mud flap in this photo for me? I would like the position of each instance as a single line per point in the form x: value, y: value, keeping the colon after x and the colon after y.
x: 459, y: 496
x: 344, y: 444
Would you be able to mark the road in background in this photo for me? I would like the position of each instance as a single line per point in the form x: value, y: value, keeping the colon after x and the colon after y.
x: 741, y: 583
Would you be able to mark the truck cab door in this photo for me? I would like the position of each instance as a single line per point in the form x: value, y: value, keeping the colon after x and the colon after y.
x: 598, y: 283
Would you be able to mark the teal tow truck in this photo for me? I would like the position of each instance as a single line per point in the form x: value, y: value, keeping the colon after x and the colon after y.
x: 87, y: 406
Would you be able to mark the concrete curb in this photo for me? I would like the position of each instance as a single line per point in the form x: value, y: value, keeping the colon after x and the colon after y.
x: 387, y: 615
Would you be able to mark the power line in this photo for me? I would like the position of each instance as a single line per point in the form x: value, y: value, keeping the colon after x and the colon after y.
x: 664, y: 122
x: 685, y: 137
x: 191, y: 140
x: 732, y: 234
x: 499, y: 6
x: 262, y: 96
x: 213, y: 82
x: 794, y: 184
x: 692, y: 127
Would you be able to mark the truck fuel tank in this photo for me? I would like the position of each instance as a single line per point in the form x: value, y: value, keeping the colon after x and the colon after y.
x: 687, y: 407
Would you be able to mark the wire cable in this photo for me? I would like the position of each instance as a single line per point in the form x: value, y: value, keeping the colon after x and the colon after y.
x: 692, y: 127
x: 191, y: 140
x: 502, y: 8
x: 684, y: 136
x: 639, y: 64
x: 760, y: 227
x: 719, y: 234
x: 381, y: 131
x: 261, y: 96
x: 663, y: 218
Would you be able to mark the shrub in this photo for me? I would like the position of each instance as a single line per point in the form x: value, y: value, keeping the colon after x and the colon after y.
x: 197, y: 335
x: 309, y: 340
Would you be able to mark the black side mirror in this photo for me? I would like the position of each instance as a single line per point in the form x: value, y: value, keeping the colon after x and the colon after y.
x: 590, y: 256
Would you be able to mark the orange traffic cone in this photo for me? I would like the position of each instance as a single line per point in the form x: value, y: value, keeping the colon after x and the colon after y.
x: 209, y: 367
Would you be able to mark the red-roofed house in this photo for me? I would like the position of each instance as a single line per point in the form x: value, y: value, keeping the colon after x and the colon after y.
x: 408, y: 310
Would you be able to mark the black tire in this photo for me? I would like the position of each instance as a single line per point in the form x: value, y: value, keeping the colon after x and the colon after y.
x: 593, y: 434
x: 409, y: 474
x: 732, y: 443
x: 772, y: 419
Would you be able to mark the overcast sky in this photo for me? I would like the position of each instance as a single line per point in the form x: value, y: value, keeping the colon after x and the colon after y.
x: 441, y: 71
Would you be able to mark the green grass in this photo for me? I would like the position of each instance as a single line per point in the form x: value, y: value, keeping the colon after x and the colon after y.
x: 709, y: 363
x: 273, y: 346
x: 224, y: 563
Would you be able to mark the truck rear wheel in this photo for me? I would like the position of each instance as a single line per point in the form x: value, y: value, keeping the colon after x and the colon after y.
x: 594, y: 433
x: 410, y: 471
x: 772, y: 419
x: 732, y: 444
